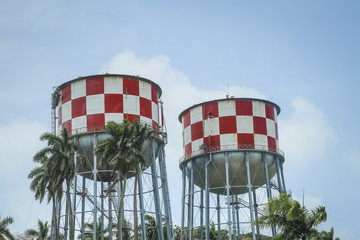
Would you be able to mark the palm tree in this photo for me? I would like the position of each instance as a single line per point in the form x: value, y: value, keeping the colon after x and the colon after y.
x: 294, y: 221
x: 60, y: 152
x: 122, y: 151
x: 89, y: 228
x: 41, y: 185
x: 4, y: 231
x: 41, y: 234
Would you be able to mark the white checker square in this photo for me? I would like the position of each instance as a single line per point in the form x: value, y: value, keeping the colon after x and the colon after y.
x: 113, y: 85
x: 155, y: 112
x: 116, y: 117
x: 270, y: 126
x: 187, y: 135
x: 131, y: 104
x: 145, y: 120
x: 260, y: 140
x: 95, y: 104
x: 211, y: 127
x: 259, y: 109
x: 196, y: 114
x: 79, y: 124
x: 227, y: 108
x: 66, y: 112
x: 78, y: 89
x: 228, y: 139
x: 244, y: 124
x: 145, y: 89
x: 195, y: 145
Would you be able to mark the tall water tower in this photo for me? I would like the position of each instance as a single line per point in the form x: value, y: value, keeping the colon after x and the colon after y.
x: 231, y: 166
x: 83, y: 106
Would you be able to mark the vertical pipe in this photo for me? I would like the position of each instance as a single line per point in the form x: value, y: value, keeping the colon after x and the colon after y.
x: 227, y: 187
x: 233, y: 204
x: 83, y: 208
x: 237, y: 217
x: 95, y: 191
x: 278, y: 174
x: 250, y: 196
x: 282, y: 176
x: 156, y: 193
x: 268, y: 187
x: 141, y: 200
x: 207, y: 199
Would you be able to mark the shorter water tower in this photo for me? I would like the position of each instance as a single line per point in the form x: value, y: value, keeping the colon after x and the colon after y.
x: 231, y: 166
x: 83, y: 106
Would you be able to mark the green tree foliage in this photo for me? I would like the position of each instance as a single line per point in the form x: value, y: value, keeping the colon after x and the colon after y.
x: 293, y: 220
x: 41, y: 233
x: 123, y: 152
x: 57, y: 157
x: 5, y: 233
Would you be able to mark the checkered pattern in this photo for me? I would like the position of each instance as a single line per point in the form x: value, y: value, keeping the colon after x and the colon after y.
x: 230, y: 122
x: 87, y: 104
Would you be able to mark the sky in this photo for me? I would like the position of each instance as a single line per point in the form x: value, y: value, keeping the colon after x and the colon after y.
x: 302, y: 55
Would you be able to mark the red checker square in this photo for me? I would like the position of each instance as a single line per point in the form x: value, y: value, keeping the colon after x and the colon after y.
x: 260, y: 125
x: 132, y: 117
x: 68, y: 126
x: 131, y: 86
x: 66, y: 94
x: 154, y: 94
x: 114, y: 103
x: 269, y: 109
x: 272, y: 144
x: 197, y: 131
x: 95, y: 86
x: 95, y: 122
x: 212, y: 142
x: 186, y: 119
x: 188, y: 150
x: 145, y: 108
x: 227, y: 124
x: 244, y: 107
x: 78, y: 107
x: 211, y: 110
x: 245, y: 140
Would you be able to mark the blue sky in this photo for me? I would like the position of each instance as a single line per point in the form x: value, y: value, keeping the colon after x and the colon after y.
x: 302, y: 55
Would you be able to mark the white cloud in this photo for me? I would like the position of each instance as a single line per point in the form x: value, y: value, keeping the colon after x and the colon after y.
x: 18, y: 143
x: 305, y: 135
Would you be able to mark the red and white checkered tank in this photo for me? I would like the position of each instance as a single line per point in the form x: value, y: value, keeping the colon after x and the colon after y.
x: 229, y: 124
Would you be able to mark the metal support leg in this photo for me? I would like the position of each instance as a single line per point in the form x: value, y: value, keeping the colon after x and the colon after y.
x: 183, y: 202
x: 156, y: 194
x: 268, y: 187
x: 191, y: 202
x: 95, y: 191
x: 165, y: 193
x: 237, y: 218
x: 66, y: 218
x: 207, y: 200
x: 202, y: 214
x: 141, y: 200
x: 110, y: 213
x: 74, y: 203
x: 233, y: 205
x: 102, y: 210
x: 282, y: 176
x: 83, y: 208
x: 227, y: 187
x: 250, y: 195
x: 218, y: 208
x: 256, y: 215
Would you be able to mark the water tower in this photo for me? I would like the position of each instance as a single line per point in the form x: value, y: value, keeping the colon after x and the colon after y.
x: 83, y: 106
x: 231, y: 166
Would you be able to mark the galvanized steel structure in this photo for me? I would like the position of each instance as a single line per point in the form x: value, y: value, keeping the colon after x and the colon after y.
x: 83, y: 106
x: 231, y: 166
